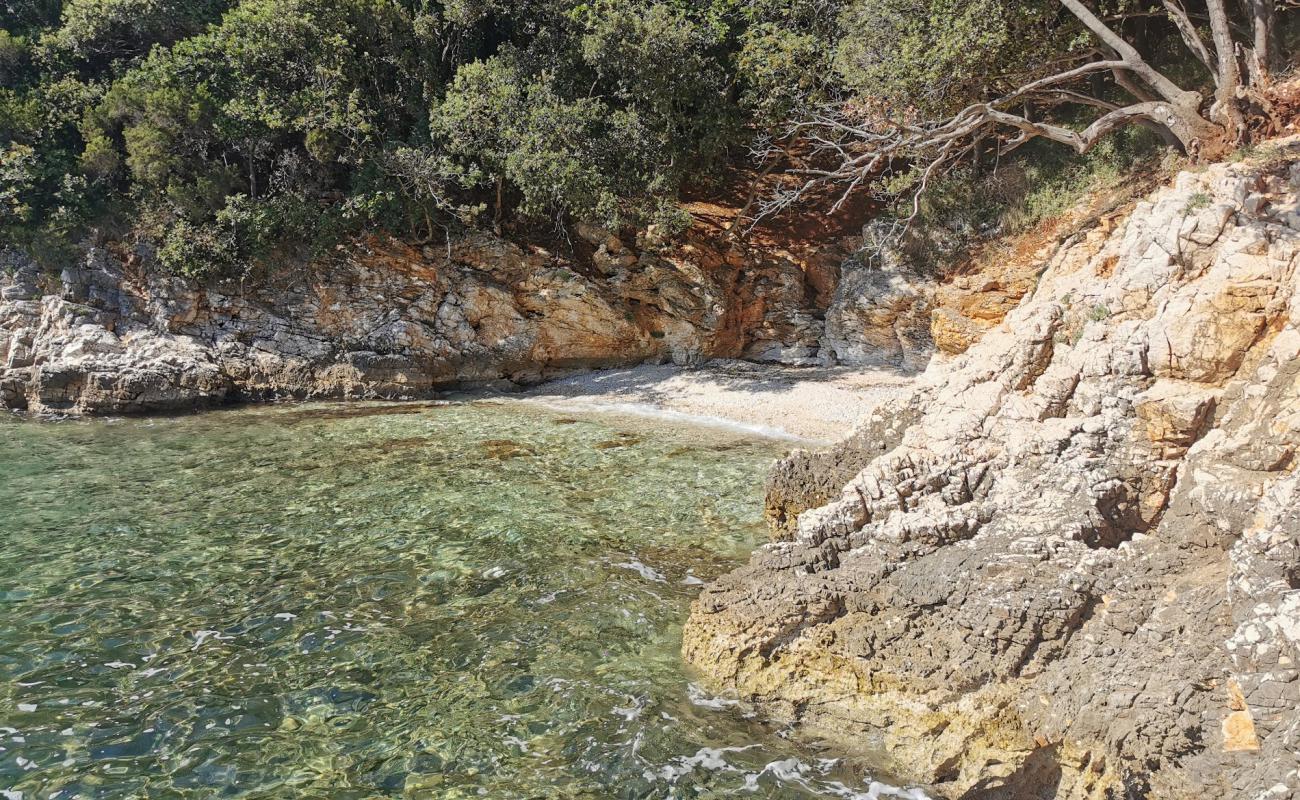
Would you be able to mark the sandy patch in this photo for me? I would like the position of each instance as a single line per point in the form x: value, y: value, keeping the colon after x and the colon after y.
x: 816, y: 404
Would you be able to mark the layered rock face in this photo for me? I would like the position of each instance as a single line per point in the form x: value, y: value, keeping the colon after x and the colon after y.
x: 388, y: 321
x: 879, y: 316
x: 1068, y: 564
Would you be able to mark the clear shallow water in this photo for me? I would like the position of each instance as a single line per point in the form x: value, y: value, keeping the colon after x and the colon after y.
x: 375, y: 601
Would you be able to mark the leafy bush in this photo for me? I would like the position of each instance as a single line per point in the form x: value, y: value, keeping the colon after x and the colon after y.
x: 226, y: 131
x: 1043, y: 182
x: 18, y: 167
x: 200, y: 122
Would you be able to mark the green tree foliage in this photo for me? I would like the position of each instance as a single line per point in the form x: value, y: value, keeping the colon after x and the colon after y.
x: 18, y: 166
x: 225, y: 130
x: 95, y: 35
x: 939, y: 55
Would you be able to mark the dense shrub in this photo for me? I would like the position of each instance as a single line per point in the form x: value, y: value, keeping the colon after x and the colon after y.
x: 224, y: 130
x: 227, y: 131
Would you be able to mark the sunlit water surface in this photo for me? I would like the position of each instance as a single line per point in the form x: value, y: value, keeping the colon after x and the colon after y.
x: 475, y: 600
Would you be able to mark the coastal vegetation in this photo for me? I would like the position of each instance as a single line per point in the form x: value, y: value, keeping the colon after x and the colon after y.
x: 222, y: 132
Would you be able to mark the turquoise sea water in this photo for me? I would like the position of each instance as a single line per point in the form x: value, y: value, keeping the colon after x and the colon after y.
x: 443, y: 601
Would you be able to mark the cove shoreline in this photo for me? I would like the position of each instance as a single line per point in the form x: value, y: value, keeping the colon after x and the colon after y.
x: 809, y: 405
x: 813, y: 406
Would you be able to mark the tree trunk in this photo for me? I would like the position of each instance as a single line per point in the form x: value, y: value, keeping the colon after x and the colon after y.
x: 1191, y: 38
x: 1133, y: 60
x: 1180, y: 110
x: 979, y: 154
x: 499, y: 211
x: 1201, y: 139
x: 1167, y: 136
x: 1264, y: 59
x: 1228, y: 80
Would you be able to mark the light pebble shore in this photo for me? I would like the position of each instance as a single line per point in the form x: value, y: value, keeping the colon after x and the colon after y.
x: 812, y: 404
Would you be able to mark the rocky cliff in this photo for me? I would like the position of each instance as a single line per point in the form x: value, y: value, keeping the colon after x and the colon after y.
x: 1068, y: 564
x: 384, y: 320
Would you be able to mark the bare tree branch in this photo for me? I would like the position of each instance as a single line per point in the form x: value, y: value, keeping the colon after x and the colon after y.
x: 1187, y: 29
x: 1083, y: 141
x: 858, y: 144
x: 1070, y: 96
x: 1133, y: 60
x: 1058, y: 78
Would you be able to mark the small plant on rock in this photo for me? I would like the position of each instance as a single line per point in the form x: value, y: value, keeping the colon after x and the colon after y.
x: 1197, y: 202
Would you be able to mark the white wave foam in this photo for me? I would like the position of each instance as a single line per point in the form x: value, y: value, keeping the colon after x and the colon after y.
x: 796, y: 772
x: 703, y: 699
x: 647, y: 572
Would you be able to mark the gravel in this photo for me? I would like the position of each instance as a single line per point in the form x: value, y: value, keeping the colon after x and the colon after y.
x: 812, y: 404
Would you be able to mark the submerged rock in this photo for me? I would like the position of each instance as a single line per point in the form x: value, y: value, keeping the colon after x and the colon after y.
x: 505, y: 449
x: 1068, y: 565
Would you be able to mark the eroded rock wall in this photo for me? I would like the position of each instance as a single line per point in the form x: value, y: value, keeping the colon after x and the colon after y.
x: 1068, y: 565
x: 384, y: 320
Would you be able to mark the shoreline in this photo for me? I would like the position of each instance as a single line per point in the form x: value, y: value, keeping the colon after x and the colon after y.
x: 810, y: 405
x: 813, y: 406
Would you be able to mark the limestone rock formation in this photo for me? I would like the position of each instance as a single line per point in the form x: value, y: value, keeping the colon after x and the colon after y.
x: 1068, y: 564
x: 880, y: 316
x: 383, y: 320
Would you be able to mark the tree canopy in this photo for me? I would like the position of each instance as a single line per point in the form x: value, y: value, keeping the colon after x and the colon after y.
x: 931, y: 84
x: 224, y: 131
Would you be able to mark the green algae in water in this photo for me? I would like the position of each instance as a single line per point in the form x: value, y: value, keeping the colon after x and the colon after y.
x: 471, y: 600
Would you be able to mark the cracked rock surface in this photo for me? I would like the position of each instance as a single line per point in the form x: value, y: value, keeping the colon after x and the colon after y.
x: 383, y: 320
x: 1068, y: 564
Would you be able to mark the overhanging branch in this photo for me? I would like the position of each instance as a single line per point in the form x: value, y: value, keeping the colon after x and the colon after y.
x: 1187, y: 29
